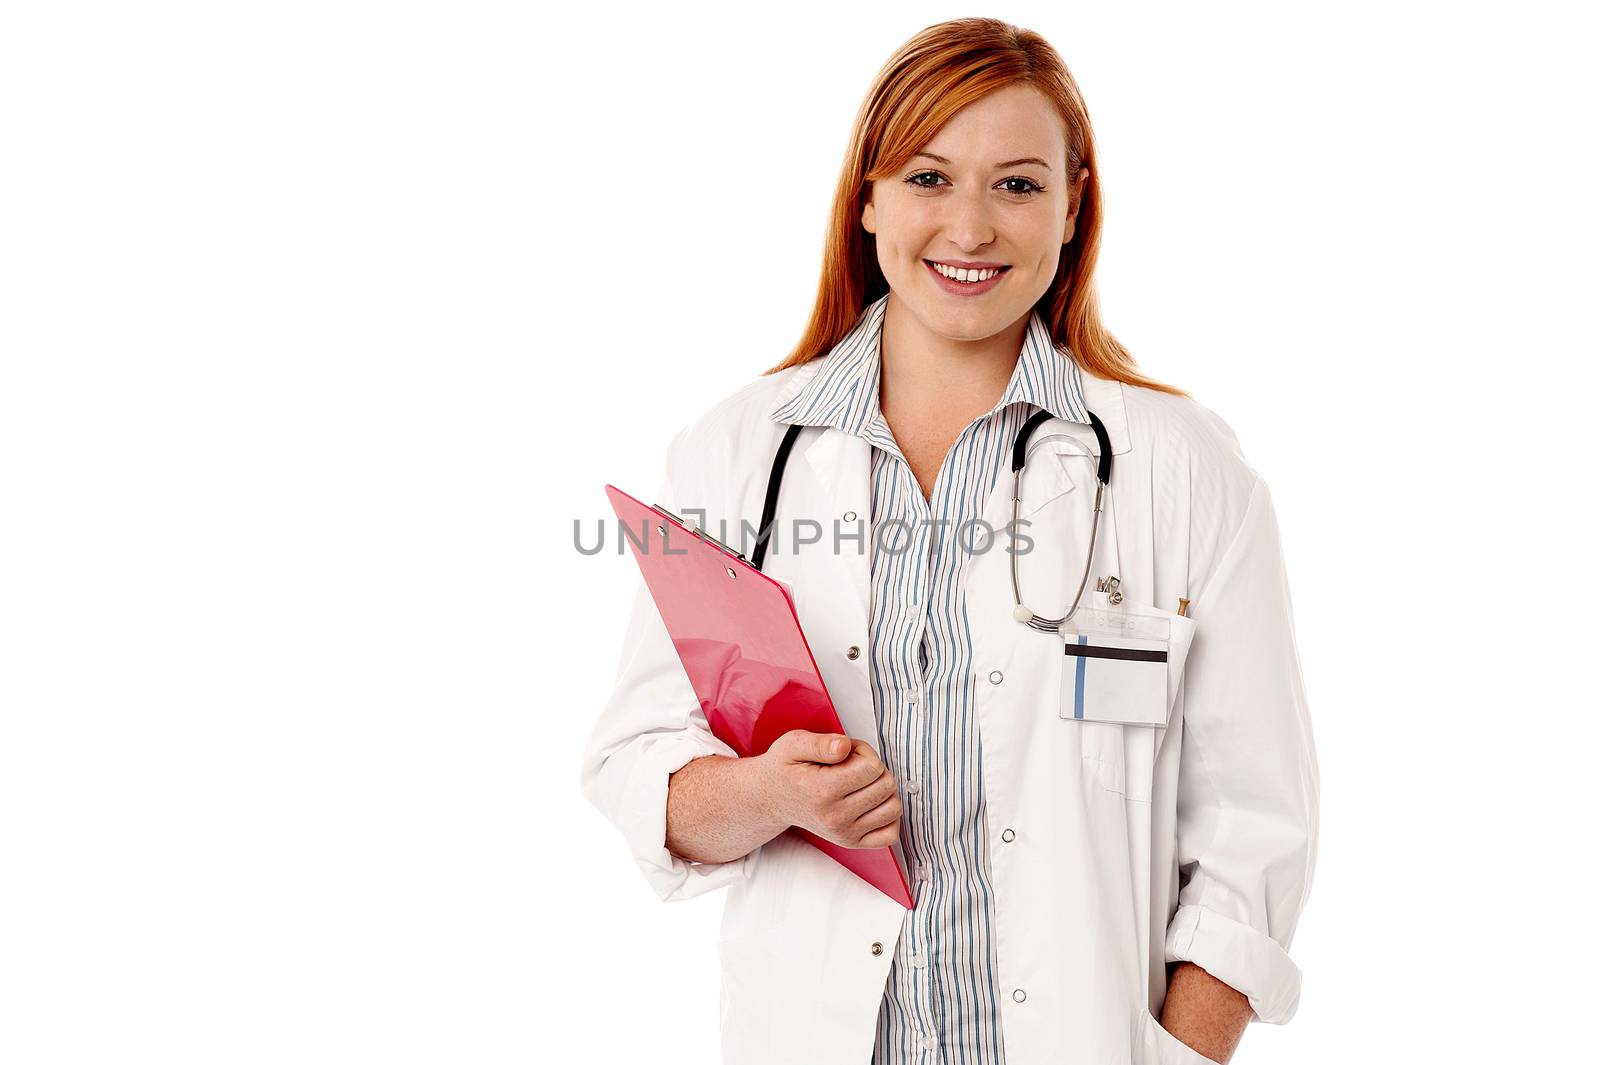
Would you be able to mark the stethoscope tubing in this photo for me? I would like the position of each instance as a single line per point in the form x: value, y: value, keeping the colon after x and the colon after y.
x: 1102, y: 476
x: 1019, y: 447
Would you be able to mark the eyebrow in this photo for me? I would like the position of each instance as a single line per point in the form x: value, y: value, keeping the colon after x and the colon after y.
x: 1035, y: 160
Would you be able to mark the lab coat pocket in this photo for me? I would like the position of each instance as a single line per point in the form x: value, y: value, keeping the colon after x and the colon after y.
x: 1123, y: 666
x: 1157, y: 1046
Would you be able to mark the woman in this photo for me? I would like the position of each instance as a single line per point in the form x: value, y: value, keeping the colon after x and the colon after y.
x: 1082, y: 865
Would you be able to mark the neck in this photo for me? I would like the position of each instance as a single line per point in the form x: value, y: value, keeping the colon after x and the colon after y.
x: 920, y: 370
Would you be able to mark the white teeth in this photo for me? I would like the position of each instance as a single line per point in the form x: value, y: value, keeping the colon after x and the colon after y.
x: 969, y: 276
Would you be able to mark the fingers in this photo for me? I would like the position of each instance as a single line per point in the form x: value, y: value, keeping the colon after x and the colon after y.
x: 864, y: 799
x: 886, y: 836
x: 866, y: 809
x: 880, y: 827
x: 861, y: 768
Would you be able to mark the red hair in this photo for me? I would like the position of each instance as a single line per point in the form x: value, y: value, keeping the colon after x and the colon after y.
x: 928, y: 79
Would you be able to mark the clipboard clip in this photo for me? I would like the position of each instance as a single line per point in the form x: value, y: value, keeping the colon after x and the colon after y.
x: 694, y: 528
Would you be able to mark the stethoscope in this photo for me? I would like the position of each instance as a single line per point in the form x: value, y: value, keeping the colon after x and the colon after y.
x: 1019, y: 447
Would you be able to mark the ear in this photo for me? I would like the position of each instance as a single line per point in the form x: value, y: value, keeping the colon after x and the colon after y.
x: 1080, y: 184
x: 868, y: 221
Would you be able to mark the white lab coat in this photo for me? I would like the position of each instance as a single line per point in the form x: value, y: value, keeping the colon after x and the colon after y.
x: 1115, y: 848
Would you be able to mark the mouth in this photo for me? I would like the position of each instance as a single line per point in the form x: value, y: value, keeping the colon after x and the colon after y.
x: 965, y: 280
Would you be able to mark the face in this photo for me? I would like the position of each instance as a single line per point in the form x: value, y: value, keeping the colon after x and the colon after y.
x: 988, y: 191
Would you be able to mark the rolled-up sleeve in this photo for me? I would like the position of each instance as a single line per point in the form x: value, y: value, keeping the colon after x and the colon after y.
x: 1248, y: 784
x: 650, y: 726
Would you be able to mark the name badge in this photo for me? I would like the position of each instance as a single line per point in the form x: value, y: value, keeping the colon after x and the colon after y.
x: 1116, y: 667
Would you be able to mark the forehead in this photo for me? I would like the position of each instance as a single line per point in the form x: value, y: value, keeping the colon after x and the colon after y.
x: 1008, y: 123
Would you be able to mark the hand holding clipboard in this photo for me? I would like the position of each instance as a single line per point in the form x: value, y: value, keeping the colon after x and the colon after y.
x: 737, y: 634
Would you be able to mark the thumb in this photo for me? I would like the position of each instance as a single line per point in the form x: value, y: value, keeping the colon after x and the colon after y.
x: 832, y: 748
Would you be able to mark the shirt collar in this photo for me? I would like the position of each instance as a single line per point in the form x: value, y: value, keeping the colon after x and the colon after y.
x: 843, y: 391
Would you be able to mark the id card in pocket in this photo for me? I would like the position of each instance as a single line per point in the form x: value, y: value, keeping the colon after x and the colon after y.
x: 1117, y: 666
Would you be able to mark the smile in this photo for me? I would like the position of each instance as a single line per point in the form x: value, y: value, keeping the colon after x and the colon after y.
x: 964, y: 282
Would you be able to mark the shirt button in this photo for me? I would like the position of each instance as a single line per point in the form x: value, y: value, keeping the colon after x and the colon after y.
x: 853, y: 653
x: 922, y: 874
x: 912, y: 787
x: 919, y: 960
x: 996, y: 677
x: 929, y: 1042
x: 1008, y: 835
x: 1019, y: 994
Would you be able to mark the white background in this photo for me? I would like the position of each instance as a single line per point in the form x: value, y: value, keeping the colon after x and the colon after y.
x: 323, y: 322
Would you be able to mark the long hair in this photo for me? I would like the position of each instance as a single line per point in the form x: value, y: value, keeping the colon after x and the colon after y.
x: 928, y: 79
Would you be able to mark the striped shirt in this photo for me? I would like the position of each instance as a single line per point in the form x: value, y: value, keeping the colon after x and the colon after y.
x: 941, y: 1003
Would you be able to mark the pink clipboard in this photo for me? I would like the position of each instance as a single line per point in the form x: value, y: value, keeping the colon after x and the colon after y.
x: 739, y: 639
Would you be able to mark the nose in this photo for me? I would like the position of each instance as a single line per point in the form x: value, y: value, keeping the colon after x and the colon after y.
x: 968, y: 223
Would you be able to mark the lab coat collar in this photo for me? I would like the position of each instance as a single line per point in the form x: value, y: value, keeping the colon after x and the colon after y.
x: 839, y: 390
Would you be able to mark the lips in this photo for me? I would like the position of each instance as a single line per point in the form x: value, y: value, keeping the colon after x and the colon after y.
x: 965, y: 288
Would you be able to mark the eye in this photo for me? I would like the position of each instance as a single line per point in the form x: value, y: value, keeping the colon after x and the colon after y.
x: 1033, y: 188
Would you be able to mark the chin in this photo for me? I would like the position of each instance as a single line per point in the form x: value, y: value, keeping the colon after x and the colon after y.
x: 965, y: 315
x: 969, y: 326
